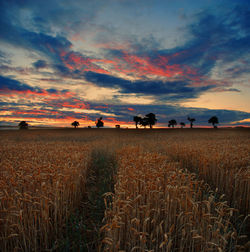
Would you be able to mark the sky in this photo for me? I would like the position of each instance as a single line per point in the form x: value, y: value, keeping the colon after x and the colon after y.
x: 62, y: 61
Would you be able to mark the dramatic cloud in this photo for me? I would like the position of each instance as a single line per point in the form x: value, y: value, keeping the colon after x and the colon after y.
x: 56, y: 48
x: 172, y: 90
x: 214, y: 38
x: 58, y: 59
x: 10, y: 87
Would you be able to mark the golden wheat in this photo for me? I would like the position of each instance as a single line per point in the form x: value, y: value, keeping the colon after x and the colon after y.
x: 224, y: 163
x: 157, y: 206
x: 40, y: 184
x: 175, y: 190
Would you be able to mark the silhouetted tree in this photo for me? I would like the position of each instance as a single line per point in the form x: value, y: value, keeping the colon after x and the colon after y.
x: 144, y: 122
x: 191, y: 120
x: 137, y: 120
x: 99, y: 123
x: 214, y: 120
x: 23, y: 125
x: 151, y: 119
x: 75, y: 124
x: 172, y: 123
x: 182, y: 124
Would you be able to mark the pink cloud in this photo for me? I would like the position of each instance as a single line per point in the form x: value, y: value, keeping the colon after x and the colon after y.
x: 74, y: 103
x: 35, y: 112
x: 40, y: 93
x: 105, y: 107
x: 143, y: 65
x: 74, y: 61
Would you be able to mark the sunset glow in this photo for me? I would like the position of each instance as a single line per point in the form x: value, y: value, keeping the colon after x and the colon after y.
x: 63, y: 61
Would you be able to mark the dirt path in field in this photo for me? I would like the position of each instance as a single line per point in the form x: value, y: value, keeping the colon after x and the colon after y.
x: 83, y: 228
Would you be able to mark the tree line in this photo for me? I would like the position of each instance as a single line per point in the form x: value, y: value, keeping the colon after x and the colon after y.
x: 147, y: 120
x: 150, y: 120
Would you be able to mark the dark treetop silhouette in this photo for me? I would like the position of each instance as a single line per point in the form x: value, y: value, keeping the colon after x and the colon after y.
x: 75, y: 124
x: 182, y: 124
x: 172, y: 123
x: 23, y: 125
x: 151, y: 119
x: 137, y: 120
x: 214, y: 120
x: 191, y: 120
x: 99, y: 123
x: 144, y: 122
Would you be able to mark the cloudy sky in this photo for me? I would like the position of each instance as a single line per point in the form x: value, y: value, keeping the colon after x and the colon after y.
x: 64, y: 60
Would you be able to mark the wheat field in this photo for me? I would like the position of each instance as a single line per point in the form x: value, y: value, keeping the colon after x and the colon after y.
x: 125, y: 190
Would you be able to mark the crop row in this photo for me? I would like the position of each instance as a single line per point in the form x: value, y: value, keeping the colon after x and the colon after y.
x: 158, y: 206
x: 223, y: 163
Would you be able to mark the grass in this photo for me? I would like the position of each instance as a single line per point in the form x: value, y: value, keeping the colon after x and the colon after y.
x: 165, y: 190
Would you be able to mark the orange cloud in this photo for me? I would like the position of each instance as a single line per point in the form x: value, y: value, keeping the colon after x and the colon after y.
x: 159, y: 67
x: 35, y: 112
x: 105, y: 107
x: 111, y: 122
x: 74, y: 61
x: 41, y: 92
x: 79, y: 105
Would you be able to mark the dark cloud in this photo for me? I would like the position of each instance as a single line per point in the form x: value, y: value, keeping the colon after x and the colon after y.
x: 48, y: 45
x: 222, y: 36
x: 164, y: 113
x: 238, y: 69
x: 8, y: 85
x: 214, y: 37
x: 40, y: 64
x: 11, y: 84
x: 55, y: 47
x: 227, y: 90
x: 172, y: 90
